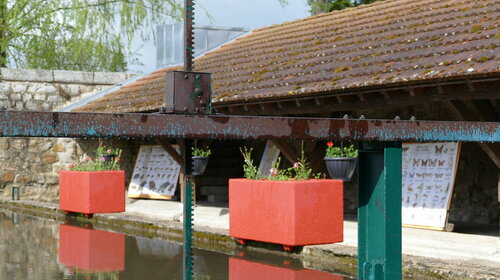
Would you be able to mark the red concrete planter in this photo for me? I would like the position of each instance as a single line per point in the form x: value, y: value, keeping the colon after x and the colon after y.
x: 291, y: 213
x: 92, y: 192
x: 90, y: 249
x: 247, y: 270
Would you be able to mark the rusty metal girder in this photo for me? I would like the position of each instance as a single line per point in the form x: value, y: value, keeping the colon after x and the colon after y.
x: 101, y: 125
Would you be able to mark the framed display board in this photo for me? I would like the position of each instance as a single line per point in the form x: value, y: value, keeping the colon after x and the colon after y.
x: 155, y: 174
x: 429, y: 171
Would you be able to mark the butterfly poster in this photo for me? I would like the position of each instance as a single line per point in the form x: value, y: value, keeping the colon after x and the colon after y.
x: 155, y: 175
x: 428, y: 174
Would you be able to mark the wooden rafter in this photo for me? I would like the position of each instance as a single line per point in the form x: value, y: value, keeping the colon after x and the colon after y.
x: 463, y: 113
x: 286, y: 149
x: 170, y: 150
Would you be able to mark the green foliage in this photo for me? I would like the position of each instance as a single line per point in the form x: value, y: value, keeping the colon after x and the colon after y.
x: 334, y: 151
x: 106, y: 159
x: 201, y: 152
x: 322, y: 6
x: 87, y: 35
x: 251, y: 172
x: 299, y: 171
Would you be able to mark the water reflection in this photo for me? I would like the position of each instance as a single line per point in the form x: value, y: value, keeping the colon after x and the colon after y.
x: 247, y: 266
x: 34, y: 248
x: 89, y: 252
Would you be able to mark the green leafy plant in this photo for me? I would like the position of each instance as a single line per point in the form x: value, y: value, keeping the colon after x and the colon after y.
x: 251, y: 172
x: 201, y: 152
x: 334, y: 151
x: 106, y: 159
x: 299, y: 171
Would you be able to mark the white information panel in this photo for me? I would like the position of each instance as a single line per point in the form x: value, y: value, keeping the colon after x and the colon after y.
x: 155, y: 174
x: 429, y: 171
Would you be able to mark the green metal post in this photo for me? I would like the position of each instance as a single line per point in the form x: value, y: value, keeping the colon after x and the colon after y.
x: 188, y: 231
x: 379, y: 211
x: 188, y: 213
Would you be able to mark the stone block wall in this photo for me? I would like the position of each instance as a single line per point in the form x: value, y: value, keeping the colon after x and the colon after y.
x: 33, y: 164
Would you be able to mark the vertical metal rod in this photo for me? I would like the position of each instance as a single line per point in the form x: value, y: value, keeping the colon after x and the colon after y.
x: 188, y: 213
x: 379, y: 211
x: 188, y: 35
x: 15, y: 193
x: 188, y: 231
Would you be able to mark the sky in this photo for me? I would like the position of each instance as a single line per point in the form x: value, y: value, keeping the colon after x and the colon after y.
x: 228, y: 13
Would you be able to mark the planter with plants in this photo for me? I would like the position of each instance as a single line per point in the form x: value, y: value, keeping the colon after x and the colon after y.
x: 200, y: 159
x: 291, y: 207
x: 93, y: 186
x: 341, y: 161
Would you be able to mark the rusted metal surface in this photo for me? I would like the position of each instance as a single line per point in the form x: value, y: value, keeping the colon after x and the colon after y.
x: 188, y: 93
x: 188, y: 35
x: 51, y: 124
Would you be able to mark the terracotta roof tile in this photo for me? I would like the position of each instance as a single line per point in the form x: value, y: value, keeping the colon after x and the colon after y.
x: 386, y: 43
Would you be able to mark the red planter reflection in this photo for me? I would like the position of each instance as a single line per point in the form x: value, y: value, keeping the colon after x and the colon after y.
x: 90, y: 249
x: 242, y: 270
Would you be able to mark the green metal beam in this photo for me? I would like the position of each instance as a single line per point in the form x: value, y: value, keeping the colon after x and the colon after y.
x: 379, y: 211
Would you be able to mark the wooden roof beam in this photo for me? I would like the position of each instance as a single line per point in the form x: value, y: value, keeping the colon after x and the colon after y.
x: 459, y: 109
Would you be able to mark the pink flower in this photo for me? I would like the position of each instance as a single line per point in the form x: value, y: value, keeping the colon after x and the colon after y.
x: 71, y: 166
x: 108, y: 151
x: 296, y: 165
x: 89, y: 158
x: 273, y: 171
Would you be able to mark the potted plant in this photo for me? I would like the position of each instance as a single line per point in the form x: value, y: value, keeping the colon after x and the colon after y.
x: 291, y: 207
x: 93, y: 186
x: 341, y: 161
x: 200, y: 159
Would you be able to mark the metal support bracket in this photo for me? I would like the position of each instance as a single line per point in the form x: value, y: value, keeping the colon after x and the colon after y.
x: 188, y: 93
x: 379, y: 211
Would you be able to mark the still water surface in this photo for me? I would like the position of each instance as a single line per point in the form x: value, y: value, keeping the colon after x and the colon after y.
x: 34, y: 248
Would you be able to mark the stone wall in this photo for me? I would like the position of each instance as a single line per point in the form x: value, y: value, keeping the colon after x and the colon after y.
x: 33, y: 163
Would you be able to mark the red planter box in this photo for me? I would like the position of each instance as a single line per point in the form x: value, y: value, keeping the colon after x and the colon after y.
x: 90, y: 249
x: 92, y: 192
x: 247, y: 270
x: 291, y: 213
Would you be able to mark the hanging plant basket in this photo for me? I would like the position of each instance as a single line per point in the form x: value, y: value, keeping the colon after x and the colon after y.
x: 341, y: 168
x: 199, y: 165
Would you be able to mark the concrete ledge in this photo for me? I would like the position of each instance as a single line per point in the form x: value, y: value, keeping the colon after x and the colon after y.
x: 62, y: 76
x: 103, y: 78
x: 31, y: 75
x: 73, y: 77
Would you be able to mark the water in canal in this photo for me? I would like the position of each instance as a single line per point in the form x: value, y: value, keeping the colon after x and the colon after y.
x: 35, y: 248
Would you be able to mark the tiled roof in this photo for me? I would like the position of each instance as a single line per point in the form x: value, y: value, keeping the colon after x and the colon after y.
x: 387, y: 43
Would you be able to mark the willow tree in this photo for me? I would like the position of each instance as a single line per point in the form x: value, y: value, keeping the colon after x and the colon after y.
x: 90, y: 35
x: 323, y: 6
